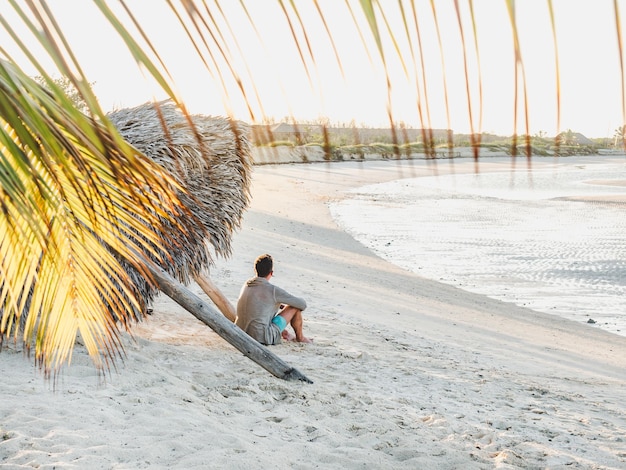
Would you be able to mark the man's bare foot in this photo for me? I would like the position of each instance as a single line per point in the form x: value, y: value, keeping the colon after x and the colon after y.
x: 304, y: 340
x: 288, y: 335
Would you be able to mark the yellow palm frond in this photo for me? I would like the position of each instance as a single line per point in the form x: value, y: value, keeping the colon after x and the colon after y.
x: 73, y: 196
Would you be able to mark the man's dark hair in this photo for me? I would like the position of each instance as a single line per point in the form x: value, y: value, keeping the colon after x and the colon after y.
x: 263, y: 265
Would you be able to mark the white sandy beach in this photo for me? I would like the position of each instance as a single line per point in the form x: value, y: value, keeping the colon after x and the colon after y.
x: 408, y: 373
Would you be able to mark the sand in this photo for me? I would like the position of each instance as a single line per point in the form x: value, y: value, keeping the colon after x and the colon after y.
x: 408, y: 373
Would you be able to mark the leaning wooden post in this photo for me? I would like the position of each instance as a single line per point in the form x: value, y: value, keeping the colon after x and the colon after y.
x: 218, y: 298
x: 251, y: 348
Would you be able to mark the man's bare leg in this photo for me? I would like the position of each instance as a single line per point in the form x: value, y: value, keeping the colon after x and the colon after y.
x: 294, y: 317
x: 287, y: 315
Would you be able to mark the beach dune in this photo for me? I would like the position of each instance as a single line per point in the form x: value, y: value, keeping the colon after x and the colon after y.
x: 408, y: 373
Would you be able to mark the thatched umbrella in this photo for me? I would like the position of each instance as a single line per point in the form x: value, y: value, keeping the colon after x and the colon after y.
x: 210, y: 158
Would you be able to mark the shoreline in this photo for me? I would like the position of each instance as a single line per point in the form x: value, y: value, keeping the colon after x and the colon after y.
x: 408, y: 373
x: 521, y: 237
x: 330, y: 180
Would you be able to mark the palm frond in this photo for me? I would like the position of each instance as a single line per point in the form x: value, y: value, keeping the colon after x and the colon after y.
x: 70, y: 194
x: 620, y: 45
x: 520, y: 74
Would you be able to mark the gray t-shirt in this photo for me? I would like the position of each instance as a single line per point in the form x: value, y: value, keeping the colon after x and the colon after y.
x: 258, y: 302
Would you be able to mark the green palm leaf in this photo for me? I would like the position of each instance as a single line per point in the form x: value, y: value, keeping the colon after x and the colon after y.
x: 73, y: 194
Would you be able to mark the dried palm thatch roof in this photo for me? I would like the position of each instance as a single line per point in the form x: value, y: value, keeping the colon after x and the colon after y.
x: 211, y: 160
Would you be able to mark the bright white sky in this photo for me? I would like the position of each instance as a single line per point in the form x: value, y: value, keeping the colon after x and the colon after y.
x: 591, y: 100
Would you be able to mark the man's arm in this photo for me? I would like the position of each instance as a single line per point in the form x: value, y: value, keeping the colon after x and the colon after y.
x: 283, y: 297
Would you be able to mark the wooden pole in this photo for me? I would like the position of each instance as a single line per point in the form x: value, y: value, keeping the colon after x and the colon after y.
x: 216, y: 295
x: 251, y: 348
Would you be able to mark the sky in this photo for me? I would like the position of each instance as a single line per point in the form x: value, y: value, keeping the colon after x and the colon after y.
x: 428, y: 86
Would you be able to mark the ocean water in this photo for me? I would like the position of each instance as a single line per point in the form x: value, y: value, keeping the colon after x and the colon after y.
x: 517, y: 236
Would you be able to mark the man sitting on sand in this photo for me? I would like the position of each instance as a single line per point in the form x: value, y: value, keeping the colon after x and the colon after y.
x: 264, y: 310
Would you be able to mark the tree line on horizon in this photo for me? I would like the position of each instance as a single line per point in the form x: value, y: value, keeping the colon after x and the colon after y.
x: 347, y: 138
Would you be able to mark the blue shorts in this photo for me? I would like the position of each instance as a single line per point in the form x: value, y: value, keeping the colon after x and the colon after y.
x: 280, y: 322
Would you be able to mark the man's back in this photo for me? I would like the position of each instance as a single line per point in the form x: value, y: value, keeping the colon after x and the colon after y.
x: 258, y: 302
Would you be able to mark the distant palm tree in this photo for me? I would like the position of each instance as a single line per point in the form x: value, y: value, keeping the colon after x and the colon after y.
x: 619, y: 137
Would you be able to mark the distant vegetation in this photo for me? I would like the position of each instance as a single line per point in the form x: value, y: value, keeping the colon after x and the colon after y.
x: 348, y: 141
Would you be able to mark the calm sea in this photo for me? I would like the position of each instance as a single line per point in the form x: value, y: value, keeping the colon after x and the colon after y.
x: 513, y: 236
